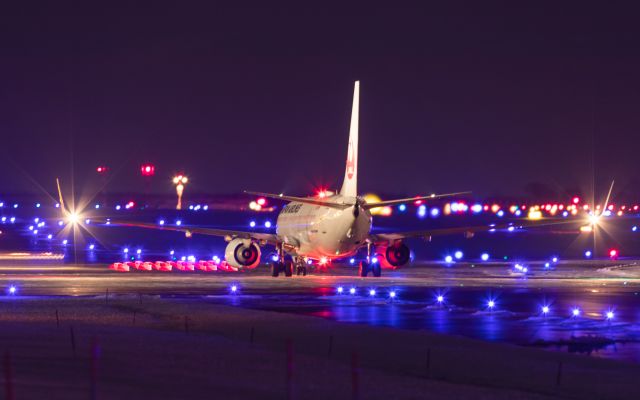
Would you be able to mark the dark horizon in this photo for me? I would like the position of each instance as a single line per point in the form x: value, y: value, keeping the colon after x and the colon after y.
x: 473, y: 98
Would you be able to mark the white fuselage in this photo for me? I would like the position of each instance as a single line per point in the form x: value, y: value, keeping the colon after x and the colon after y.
x: 317, y: 231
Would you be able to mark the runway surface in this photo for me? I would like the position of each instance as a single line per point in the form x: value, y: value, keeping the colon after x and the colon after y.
x: 595, y: 288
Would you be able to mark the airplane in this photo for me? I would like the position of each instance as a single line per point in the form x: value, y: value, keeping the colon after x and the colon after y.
x: 321, y: 229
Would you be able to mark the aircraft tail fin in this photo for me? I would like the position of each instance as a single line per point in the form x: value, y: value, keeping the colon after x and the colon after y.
x: 350, y: 183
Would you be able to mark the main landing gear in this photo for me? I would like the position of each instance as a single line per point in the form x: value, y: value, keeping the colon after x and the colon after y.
x: 301, y: 266
x: 288, y: 268
x: 287, y: 265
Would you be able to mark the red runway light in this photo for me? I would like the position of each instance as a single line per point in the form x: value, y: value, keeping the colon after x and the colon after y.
x: 148, y: 169
x: 613, y: 253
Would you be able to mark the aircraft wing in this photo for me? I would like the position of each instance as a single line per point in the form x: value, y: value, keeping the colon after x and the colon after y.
x: 267, y: 238
x: 469, y: 231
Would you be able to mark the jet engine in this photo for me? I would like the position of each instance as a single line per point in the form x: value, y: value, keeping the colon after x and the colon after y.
x: 393, y: 256
x: 242, y: 253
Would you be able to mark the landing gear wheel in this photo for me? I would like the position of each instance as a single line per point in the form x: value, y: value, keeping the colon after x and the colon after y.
x: 364, y: 268
x: 275, y: 269
x: 304, y: 270
x: 288, y: 268
x: 376, y: 270
x: 301, y: 270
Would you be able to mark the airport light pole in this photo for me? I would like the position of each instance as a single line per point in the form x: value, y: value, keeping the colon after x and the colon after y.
x: 180, y: 181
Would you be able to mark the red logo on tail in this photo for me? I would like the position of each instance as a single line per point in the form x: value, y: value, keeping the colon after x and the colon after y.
x: 351, y: 162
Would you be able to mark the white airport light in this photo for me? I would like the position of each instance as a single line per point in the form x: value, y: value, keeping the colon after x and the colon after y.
x: 545, y: 310
x: 274, y: 257
x: 352, y: 290
x: 252, y: 224
x: 161, y: 222
x: 37, y: 205
x: 180, y: 181
x: 491, y: 304
x: 139, y: 251
x: 554, y: 259
x: 352, y: 261
x: 92, y: 246
x: 372, y: 292
x: 448, y: 259
x: 435, y: 212
x: 49, y: 236
x: 587, y: 254
x: 392, y: 294
x: 126, y: 250
x: 484, y: 256
x: 178, y: 222
x: 172, y: 252
x: 458, y: 254
x: 12, y: 290
x: 374, y: 260
x: 610, y: 314
x: 13, y: 219
x: 440, y: 299
x: 575, y: 312
x: 340, y: 289
x: 64, y: 242
x: 234, y: 288
x: 547, y: 265
x: 267, y: 224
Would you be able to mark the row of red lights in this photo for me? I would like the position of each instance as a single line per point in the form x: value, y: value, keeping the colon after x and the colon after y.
x: 145, y: 169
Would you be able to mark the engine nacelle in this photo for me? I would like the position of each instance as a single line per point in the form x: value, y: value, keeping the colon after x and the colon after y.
x: 242, y: 253
x: 393, y: 256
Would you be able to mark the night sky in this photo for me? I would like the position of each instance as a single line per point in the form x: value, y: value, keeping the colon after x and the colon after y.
x: 453, y: 97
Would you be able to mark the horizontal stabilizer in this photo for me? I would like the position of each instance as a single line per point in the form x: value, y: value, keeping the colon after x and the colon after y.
x: 308, y: 200
x: 369, y: 206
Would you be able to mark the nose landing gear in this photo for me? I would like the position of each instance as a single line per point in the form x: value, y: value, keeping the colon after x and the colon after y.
x: 367, y: 266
